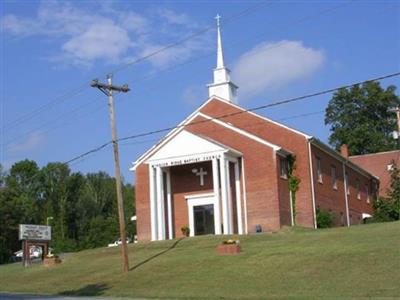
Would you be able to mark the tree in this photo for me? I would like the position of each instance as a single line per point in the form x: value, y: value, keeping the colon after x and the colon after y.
x: 359, y: 117
x: 388, y: 209
x: 83, y: 207
x: 18, y: 200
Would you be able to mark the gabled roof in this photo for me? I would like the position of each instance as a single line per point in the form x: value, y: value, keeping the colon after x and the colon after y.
x: 186, y: 144
x: 197, y: 113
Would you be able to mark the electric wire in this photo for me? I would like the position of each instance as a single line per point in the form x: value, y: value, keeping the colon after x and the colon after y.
x: 79, y: 89
x: 277, y: 103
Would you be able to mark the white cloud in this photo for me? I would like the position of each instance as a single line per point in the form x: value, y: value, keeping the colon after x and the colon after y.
x: 274, y: 65
x: 174, y: 18
x: 99, y: 41
x: 194, y: 95
x: 33, y: 141
x: 112, y: 36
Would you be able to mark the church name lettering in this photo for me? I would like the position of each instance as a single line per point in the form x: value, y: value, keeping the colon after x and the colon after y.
x: 185, y: 161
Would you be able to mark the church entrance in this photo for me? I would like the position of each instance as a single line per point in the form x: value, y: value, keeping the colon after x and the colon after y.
x: 203, y: 219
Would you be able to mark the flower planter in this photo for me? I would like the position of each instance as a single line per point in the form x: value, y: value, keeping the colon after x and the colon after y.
x: 51, y: 261
x: 228, y: 249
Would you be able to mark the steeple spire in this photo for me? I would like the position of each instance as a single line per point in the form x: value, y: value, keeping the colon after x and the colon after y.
x: 220, y: 53
x: 222, y: 86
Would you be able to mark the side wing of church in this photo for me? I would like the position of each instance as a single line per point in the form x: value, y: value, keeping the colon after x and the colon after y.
x: 224, y: 170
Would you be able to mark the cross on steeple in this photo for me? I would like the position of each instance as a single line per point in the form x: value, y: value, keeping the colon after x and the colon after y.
x: 222, y: 86
x: 218, y: 17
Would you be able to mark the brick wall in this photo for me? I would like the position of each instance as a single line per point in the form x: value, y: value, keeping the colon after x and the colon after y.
x: 278, y: 135
x: 377, y: 164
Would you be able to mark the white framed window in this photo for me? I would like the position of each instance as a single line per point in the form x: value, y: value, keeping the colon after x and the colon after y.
x: 283, y: 168
x: 346, y: 178
x: 367, y: 193
x: 358, y: 189
x: 319, y: 170
x: 333, y: 177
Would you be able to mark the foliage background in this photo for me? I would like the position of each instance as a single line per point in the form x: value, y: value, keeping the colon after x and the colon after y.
x: 83, y: 207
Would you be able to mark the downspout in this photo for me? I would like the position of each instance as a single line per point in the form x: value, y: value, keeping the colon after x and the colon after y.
x: 312, y: 183
x: 345, y: 195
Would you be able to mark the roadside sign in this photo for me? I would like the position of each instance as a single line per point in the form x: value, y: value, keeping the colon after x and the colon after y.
x: 34, y: 232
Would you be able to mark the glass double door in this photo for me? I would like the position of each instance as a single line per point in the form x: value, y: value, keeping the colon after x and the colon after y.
x: 203, y: 219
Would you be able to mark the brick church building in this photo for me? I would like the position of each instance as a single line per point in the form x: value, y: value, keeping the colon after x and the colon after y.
x: 224, y: 170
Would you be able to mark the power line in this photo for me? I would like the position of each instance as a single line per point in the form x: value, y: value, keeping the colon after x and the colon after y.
x: 281, y: 102
x: 277, y: 103
x: 52, y: 103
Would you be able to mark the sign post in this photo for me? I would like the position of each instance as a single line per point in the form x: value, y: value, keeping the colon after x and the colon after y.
x: 31, y: 235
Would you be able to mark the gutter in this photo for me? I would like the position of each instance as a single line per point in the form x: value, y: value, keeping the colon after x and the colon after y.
x: 317, y: 143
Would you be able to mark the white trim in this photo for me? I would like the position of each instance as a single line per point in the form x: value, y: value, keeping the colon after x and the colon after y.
x: 217, y: 206
x: 153, y: 205
x: 224, y: 196
x: 264, y: 118
x: 168, y: 136
x: 160, y: 204
x: 196, y: 196
x: 325, y: 148
x: 240, y: 131
x: 169, y: 205
x: 229, y: 189
x: 291, y: 207
x: 193, y: 115
x: 200, y: 199
x: 238, y: 199
x: 244, y: 197
x: 345, y: 195
x: 312, y: 185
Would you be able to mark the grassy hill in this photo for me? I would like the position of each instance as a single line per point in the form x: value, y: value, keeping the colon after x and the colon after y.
x: 342, y: 263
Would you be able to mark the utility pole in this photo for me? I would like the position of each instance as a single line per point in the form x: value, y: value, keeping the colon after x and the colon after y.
x: 108, y: 90
x: 396, y: 134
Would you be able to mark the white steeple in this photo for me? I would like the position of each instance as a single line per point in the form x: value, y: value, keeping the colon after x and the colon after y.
x: 222, y: 86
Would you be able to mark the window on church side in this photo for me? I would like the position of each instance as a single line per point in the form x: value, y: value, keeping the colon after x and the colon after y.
x: 358, y: 189
x: 367, y: 192
x: 333, y: 176
x: 319, y: 170
x: 284, y: 168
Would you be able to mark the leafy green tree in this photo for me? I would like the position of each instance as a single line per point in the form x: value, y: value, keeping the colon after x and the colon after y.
x: 83, y: 207
x: 388, y: 209
x: 18, y: 200
x: 359, y: 117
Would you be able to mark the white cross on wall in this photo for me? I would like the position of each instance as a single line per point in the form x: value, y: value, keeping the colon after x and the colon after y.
x: 200, y: 173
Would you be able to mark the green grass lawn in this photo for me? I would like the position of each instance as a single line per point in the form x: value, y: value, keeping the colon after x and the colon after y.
x: 360, y: 262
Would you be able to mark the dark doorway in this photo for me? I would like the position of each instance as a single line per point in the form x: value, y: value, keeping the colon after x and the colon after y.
x: 203, y: 219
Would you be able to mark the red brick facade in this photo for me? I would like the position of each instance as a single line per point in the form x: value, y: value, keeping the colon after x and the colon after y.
x: 265, y: 198
x: 379, y: 165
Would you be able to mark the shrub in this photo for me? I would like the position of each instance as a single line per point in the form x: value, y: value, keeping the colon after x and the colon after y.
x: 324, y: 219
x: 185, y: 230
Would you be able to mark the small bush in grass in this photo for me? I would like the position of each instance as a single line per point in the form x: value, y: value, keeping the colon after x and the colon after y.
x: 324, y: 219
x: 185, y: 230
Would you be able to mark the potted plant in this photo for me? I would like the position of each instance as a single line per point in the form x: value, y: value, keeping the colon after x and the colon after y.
x: 51, y: 260
x: 229, y: 247
x: 185, y: 230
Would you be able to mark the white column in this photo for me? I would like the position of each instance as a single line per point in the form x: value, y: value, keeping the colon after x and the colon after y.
x: 224, y: 195
x: 217, y: 205
x: 169, y: 206
x: 238, y: 198
x: 160, y: 204
x: 153, y: 204
x: 228, y: 187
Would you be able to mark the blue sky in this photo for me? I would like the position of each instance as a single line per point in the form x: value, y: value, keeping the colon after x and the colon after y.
x: 50, y: 51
